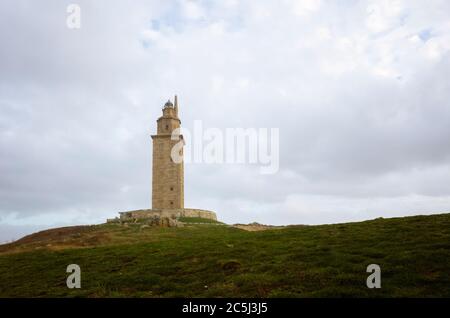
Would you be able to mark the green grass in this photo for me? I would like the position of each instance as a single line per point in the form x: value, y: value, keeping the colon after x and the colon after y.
x: 221, y: 261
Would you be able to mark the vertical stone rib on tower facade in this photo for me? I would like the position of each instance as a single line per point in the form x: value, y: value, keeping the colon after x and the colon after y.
x: 168, y: 176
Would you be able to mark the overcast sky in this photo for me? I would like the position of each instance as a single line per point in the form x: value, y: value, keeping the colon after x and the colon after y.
x: 359, y: 90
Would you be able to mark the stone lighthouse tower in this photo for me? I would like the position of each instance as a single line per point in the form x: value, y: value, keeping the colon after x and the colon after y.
x: 168, y: 174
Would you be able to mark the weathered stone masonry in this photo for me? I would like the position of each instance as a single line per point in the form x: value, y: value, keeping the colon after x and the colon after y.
x: 168, y: 176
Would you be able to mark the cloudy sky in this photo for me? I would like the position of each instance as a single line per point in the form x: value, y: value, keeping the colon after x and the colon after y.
x: 359, y: 90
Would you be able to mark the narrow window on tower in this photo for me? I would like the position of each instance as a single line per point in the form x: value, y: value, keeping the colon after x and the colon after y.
x: 167, y: 127
x: 171, y: 188
x: 171, y: 202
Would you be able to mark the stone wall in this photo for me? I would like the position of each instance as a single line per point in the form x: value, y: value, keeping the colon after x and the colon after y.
x: 205, y: 214
x: 169, y: 213
x: 168, y: 176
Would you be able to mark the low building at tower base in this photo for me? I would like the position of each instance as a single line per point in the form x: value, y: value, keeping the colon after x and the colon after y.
x: 136, y: 215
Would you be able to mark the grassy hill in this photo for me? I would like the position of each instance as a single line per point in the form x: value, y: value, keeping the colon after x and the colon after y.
x: 215, y: 260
